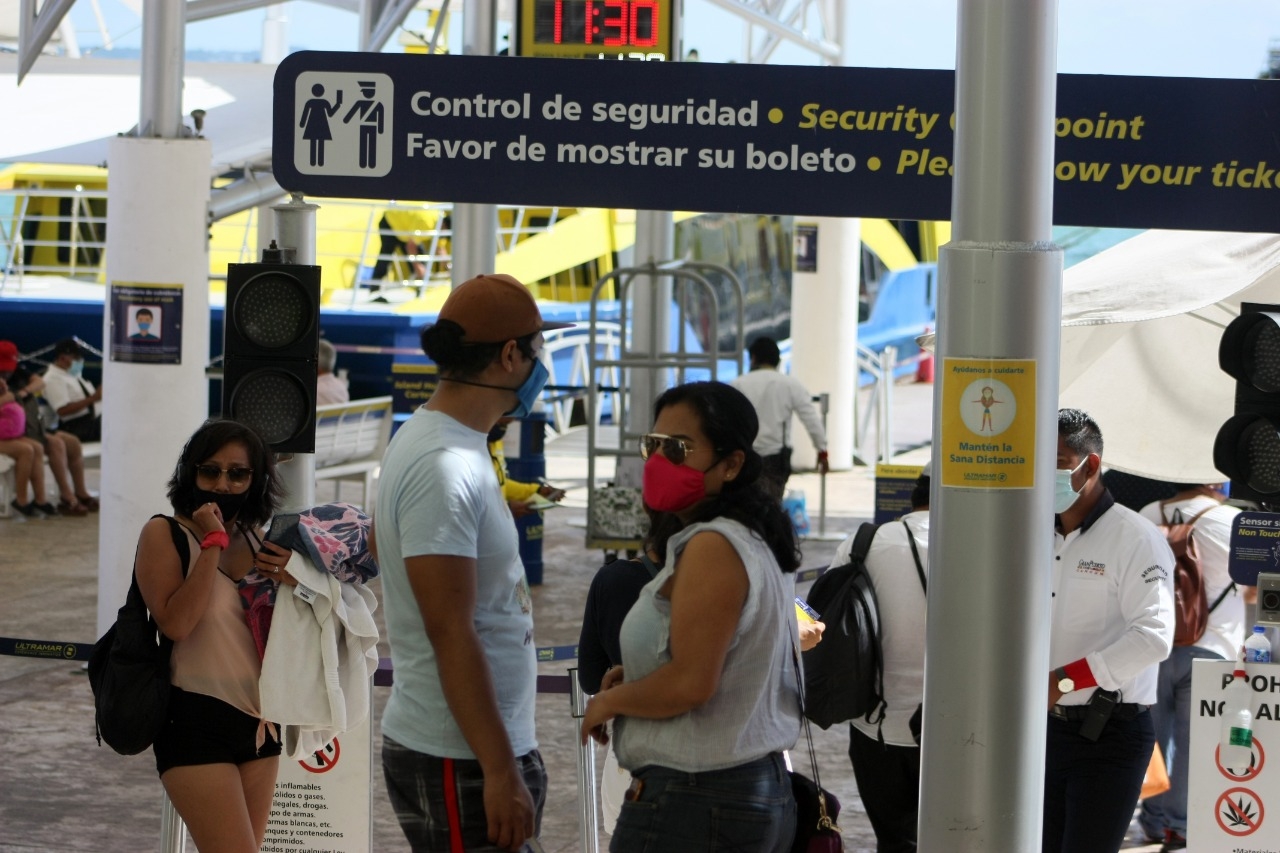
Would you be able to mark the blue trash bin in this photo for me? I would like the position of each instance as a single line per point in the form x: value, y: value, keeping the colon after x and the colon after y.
x: 530, y: 466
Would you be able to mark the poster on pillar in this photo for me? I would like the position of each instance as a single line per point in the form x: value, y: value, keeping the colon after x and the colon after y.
x: 1233, y: 810
x: 146, y: 323
x: 323, y: 801
x: 988, y: 436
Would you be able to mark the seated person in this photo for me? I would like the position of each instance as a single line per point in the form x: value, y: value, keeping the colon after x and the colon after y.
x: 329, y: 388
x: 73, y: 397
x: 516, y: 493
x: 27, y: 456
x: 65, y: 452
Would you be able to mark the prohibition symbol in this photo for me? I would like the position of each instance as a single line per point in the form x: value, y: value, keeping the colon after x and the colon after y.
x: 323, y: 760
x: 1239, y: 812
x: 1256, y: 759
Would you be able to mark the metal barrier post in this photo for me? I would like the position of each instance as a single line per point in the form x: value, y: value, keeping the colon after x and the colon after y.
x: 888, y: 362
x: 173, y: 832
x: 588, y: 831
x: 824, y: 405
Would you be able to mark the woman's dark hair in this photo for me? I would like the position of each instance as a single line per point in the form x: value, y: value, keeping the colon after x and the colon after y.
x: 443, y: 344
x: 729, y: 420
x: 662, y: 526
x: 263, y: 496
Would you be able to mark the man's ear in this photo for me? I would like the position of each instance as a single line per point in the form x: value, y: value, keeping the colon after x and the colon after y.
x: 509, y: 356
x: 1094, y: 465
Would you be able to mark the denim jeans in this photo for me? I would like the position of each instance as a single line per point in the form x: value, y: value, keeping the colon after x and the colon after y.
x: 418, y: 790
x: 747, y: 808
x: 1091, y: 787
x: 1172, y: 716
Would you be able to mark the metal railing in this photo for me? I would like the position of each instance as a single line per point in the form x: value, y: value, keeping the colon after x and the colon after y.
x: 881, y: 366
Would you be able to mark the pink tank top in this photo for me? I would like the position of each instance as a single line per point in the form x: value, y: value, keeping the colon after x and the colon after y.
x: 218, y: 658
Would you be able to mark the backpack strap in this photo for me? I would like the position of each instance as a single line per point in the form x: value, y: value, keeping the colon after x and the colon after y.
x: 915, y: 553
x: 862, y: 542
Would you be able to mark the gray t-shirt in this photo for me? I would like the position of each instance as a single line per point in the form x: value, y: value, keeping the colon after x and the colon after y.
x: 755, y: 710
x: 438, y: 495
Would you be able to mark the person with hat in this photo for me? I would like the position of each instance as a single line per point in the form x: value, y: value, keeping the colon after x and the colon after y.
x: 8, y: 358
x: 72, y: 396
x: 460, y: 754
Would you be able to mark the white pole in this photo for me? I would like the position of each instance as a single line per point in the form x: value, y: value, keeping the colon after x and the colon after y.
x: 475, y: 226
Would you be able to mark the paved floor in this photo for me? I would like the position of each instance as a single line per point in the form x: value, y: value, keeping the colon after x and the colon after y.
x: 60, y: 791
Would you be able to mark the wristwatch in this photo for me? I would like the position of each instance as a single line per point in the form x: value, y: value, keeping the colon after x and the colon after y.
x: 1066, y: 683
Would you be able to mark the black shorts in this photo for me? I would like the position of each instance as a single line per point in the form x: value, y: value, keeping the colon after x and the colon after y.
x: 205, y: 730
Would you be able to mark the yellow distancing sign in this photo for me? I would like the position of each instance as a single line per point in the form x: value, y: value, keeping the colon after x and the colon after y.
x: 988, y: 423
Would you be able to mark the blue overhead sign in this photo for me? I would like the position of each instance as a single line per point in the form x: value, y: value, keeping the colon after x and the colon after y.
x: 1136, y: 152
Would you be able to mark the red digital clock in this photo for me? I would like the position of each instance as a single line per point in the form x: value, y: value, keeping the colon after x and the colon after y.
x: 596, y: 29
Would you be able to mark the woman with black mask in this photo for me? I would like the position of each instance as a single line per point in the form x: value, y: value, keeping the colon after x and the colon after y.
x: 216, y: 756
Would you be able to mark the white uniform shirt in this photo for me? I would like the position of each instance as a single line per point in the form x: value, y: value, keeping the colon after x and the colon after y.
x: 901, y: 600
x: 776, y: 397
x: 1225, y: 632
x: 61, y: 388
x: 1112, y: 585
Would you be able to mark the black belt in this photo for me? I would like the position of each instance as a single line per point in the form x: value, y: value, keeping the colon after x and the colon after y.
x: 1077, y: 713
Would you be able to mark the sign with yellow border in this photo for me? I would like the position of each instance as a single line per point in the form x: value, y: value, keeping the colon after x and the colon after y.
x: 988, y: 423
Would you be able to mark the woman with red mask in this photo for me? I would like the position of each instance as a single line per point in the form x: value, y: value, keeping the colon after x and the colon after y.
x: 705, y: 700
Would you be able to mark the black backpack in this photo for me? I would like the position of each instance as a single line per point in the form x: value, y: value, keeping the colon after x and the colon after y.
x: 129, y: 668
x: 844, y: 674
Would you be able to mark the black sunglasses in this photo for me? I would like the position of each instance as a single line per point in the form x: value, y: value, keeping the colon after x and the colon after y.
x: 675, y: 449
x: 236, y: 476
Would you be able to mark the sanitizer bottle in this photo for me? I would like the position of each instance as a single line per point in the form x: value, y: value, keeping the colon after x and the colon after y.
x: 1234, y: 745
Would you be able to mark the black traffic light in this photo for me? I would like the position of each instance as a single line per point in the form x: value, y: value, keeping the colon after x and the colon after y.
x: 271, y: 332
x: 1247, y: 448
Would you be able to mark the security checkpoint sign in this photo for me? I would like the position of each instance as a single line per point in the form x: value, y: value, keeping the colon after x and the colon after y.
x: 1134, y: 152
x: 1233, y: 810
x: 322, y: 802
x: 988, y: 436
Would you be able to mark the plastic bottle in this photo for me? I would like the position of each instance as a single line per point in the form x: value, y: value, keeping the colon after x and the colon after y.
x: 1234, y: 745
x: 1257, y: 648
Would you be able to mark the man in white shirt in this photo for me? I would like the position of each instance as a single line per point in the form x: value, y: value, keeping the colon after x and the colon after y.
x: 71, y: 395
x: 1165, y: 816
x: 776, y: 397
x: 329, y: 388
x: 886, y: 755
x: 1112, y: 624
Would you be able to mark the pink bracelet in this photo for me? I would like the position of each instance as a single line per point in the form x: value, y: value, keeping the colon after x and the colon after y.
x: 215, y: 539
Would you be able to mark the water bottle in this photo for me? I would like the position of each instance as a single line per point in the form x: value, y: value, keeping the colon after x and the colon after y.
x: 1234, y: 745
x: 1257, y: 648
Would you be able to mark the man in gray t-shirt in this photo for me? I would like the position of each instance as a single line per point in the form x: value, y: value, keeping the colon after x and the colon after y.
x: 459, y: 750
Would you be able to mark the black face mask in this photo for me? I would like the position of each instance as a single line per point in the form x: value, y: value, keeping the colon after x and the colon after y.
x: 497, y: 433
x: 228, y: 504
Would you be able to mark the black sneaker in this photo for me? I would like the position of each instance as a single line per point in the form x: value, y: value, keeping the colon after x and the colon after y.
x: 29, y: 510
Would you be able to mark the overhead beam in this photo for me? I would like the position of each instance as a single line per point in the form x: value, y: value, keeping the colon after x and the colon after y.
x: 203, y: 10
x: 35, y: 30
x: 826, y: 49
x: 393, y: 15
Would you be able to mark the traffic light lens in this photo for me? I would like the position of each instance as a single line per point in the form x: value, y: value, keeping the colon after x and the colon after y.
x: 273, y: 403
x: 1262, y: 357
x: 273, y: 311
x: 1261, y: 445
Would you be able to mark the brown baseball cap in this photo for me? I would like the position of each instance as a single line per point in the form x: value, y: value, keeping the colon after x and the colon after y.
x: 494, y: 309
x: 8, y: 356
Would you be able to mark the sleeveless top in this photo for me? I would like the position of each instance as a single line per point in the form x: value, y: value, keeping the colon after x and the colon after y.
x: 755, y: 710
x: 218, y: 658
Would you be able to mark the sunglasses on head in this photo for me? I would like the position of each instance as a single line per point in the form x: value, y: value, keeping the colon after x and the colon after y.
x: 237, y: 476
x: 675, y: 449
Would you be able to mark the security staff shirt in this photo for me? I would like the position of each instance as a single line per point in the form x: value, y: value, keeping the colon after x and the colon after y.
x: 1112, y: 604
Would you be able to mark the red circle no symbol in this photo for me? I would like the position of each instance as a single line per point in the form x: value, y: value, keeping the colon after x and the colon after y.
x: 1239, y: 812
x: 324, y: 760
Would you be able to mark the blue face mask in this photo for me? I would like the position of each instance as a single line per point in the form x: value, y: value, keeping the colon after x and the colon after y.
x: 529, y: 390
x: 1064, y: 497
x: 76, y: 368
x: 144, y: 327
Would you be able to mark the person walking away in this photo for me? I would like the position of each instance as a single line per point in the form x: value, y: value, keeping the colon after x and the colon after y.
x: 777, y: 396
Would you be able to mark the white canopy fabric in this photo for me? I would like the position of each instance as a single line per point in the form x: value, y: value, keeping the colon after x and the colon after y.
x: 66, y: 110
x: 1141, y: 327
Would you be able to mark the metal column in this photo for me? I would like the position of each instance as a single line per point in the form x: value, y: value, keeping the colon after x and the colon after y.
x: 475, y: 226
x: 986, y: 677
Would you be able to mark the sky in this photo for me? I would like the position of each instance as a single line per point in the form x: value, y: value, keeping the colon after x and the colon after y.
x: 1163, y: 38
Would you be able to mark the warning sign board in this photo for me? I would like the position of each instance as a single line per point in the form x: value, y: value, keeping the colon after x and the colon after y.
x: 322, y: 801
x: 988, y: 423
x: 1227, y: 808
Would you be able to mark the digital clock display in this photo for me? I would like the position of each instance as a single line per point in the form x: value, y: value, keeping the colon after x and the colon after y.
x: 623, y: 29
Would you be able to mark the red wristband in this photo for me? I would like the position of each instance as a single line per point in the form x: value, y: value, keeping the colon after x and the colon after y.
x: 215, y: 539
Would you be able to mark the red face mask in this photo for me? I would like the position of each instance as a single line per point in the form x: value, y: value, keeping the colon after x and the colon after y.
x: 672, y: 488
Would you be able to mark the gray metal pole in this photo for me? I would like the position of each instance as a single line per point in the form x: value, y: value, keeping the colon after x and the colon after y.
x: 475, y: 226
x: 296, y: 230
x: 650, y: 331
x: 986, y: 676
x: 589, y: 815
x: 163, y: 45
